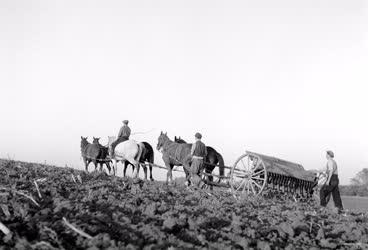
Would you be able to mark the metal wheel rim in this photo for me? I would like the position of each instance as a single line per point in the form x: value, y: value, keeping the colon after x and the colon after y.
x: 248, y: 175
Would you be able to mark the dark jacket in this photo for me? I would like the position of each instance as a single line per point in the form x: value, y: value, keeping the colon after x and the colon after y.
x: 124, y: 132
x: 199, y: 149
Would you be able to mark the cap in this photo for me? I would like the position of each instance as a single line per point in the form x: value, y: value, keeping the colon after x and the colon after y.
x: 198, y: 135
x: 330, y: 153
x: 125, y: 121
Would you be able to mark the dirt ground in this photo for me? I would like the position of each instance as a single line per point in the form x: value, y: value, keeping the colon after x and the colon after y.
x: 46, y: 207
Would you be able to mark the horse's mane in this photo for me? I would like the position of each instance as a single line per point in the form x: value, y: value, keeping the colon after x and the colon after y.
x: 179, y: 140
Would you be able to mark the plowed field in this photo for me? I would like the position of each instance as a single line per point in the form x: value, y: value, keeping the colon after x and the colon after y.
x: 97, y: 211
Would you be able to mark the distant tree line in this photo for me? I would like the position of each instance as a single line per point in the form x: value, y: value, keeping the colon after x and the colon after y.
x: 359, y: 185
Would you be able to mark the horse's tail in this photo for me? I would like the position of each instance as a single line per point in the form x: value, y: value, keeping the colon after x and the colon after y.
x: 221, y: 164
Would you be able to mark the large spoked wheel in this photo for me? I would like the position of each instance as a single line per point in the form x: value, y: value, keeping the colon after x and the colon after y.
x: 248, y: 175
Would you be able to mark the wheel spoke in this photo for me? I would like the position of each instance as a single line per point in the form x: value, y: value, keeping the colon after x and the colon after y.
x: 257, y: 178
x: 246, y: 169
x: 240, y: 185
x: 240, y: 175
x: 258, y: 173
x: 248, y: 175
x: 260, y: 187
x: 244, y: 188
x: 254, y: 192
x: 239, y: 170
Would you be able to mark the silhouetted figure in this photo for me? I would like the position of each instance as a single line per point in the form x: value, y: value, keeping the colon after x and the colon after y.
x: 198, y: 153
x: 331, y: 186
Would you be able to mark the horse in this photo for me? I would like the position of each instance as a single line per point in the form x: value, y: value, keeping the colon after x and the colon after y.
x: 147, y: 156
x: 127, y: 151
x: 91, y: 152
x: 174, y: 154
x: 103, y: 158
x: 212, y: 159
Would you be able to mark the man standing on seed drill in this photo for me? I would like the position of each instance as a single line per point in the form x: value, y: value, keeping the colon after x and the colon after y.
x: 198, y: 153
x: 123, y: 135
x: 331, y: 186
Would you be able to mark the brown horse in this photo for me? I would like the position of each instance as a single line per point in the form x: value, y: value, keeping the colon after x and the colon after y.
x: 91, y: 152
x: 174, y: 154
x: 213, y: 159
x: 103, y: 158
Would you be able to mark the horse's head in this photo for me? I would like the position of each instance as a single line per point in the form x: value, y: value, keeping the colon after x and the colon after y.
x: 96, y: 140
x: 179, y: 140
x: 162, y: 139
x: 84, y: 141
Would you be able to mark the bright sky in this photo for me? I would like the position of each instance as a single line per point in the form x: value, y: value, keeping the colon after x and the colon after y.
x: 284, y: 78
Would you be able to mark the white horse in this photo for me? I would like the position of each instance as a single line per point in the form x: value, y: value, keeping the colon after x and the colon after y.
x: 130, y: 151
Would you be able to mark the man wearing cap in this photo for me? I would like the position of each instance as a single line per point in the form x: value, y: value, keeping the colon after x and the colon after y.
x: 123, y: 135
x: 331, y: 186
x: 198, y: 153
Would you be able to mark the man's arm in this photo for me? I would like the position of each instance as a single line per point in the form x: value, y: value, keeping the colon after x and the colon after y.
x: 193, y: 148
x: 329, y: 171
x: 205, y: 151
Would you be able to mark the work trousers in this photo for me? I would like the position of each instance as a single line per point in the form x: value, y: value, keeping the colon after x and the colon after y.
x: 331, y: 188
x: 196, y: 171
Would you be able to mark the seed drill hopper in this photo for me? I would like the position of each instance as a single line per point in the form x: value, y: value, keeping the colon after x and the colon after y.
x: 252, y: 173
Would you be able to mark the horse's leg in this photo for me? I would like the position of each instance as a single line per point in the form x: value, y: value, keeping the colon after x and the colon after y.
x: 96, y: 164
x: 169, y: 173
x: 144, y: 166
x: 208, y: 169
x: 88, y: 162
x: 125, y: 163
x: 108, y: 167
x: 209, y: 178
x: 133, y: 168
x: 187, y: 177
x: 85, y: 163
x: 168, y: 167
x: 150, y: 168
x: 114, y: 166
x: 188, y: 173
x: 136, y: 169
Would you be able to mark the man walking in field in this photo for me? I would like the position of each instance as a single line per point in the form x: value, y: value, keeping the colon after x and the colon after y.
x: 123, y: 135
x: 331, y: 186
x: 198, y: 153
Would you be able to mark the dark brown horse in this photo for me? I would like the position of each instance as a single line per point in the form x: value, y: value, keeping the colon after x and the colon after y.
x: 213, y: 159
x: 174, y: 154
x: 103, y: 157
x: 92, y: 152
